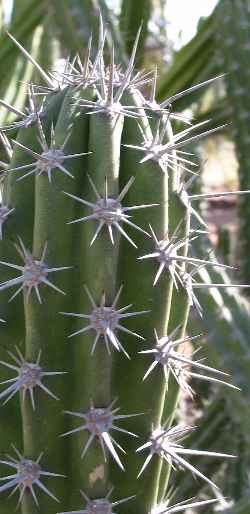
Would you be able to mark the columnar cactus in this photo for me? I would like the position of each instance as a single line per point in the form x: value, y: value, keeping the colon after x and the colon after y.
x: 96, y: 279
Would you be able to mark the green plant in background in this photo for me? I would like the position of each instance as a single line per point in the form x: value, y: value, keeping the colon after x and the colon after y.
x: 97, y: 147
x: 233, y: 38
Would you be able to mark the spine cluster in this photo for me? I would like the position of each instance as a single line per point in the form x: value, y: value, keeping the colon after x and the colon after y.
x: 96, y: 159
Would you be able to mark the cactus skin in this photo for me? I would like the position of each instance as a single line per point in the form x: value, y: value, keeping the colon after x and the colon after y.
x: 93, y: 126
x: 21, y: 196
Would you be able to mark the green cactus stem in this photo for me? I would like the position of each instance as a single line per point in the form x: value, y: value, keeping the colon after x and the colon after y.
x: 104, y: 226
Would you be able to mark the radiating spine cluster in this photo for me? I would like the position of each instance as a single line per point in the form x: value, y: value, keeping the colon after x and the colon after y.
x: 99, y: 125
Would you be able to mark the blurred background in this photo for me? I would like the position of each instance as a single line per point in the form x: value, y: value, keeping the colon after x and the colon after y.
x: 190, y: 41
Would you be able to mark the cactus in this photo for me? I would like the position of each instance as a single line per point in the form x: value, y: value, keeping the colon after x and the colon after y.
x: 96, y: 174
x: 233, y: 18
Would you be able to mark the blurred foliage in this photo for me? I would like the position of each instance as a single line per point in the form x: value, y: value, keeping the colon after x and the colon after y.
x: 134, y: 14
x: 234, y: 53
x: 191, y: 64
